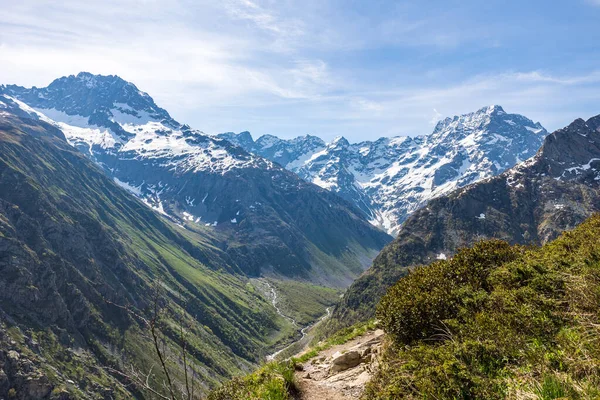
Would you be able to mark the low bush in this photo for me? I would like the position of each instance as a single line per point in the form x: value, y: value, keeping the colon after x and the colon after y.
x: 496, y: 322
x: 274, y: 381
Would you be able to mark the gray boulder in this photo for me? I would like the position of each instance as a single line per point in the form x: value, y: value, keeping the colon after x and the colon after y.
x: 345, y: 361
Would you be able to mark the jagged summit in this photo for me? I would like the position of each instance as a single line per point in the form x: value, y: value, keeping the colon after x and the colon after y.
x: 273, y: 148
x: 339, y: 141
x: 104, y: 101
x: 245, y: 135
x: 492, y: 119
x: 242, y: 139
x: 594, y: 123
x: 390, y: 178
x: 106, y: 113
x: 494, y: 109
x: 85, y: 94
x: 573, y: 151
x: 93, y: 80
x: 478, y: 116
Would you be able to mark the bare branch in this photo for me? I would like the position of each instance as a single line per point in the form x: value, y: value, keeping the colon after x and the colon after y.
x: 136, y: 379
x: 183, y: 354
x: 153, y: 323
x: 161, y: 348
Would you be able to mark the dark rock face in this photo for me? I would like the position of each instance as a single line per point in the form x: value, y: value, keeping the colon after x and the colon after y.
x: 390, y: 178
x: 19, y: 372
x: 531, y: 203
x: 270, y: 221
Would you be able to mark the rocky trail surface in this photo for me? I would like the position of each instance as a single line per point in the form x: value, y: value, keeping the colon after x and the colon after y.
x: 340, y: 372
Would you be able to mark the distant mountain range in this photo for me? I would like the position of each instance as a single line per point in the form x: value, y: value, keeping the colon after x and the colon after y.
x: 531, y: 203
x: 390, y: 178
x: 270, y: 221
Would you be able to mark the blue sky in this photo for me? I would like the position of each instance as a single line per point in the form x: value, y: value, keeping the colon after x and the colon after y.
x: 361, y: 69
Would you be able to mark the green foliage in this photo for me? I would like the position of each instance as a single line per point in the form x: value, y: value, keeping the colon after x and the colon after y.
x: 274, y: 381
x: 413, y: 309
x: 497, y: 322
x: 551, y: 388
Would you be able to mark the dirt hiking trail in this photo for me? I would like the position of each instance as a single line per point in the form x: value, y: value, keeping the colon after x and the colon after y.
x: 341, y: 372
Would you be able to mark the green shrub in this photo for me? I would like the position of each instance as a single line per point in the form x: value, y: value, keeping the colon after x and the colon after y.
x: 497, y: 322
x: 274, y: 381
x: 416, y: 306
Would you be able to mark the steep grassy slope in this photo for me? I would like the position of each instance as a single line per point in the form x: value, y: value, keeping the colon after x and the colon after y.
x: 73, y: 246
x: 529, y: 204
x: 497, y: 322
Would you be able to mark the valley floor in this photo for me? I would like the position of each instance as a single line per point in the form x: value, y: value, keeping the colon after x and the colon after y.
x: 301, y: 305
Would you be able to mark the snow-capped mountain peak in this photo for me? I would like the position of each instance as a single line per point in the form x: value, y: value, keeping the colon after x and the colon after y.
x: 108, y: 115
x: 495, y: 108
x: 339, y: 142
x: 86, y: 94
x: 387, y: 179
x: 390, y: 178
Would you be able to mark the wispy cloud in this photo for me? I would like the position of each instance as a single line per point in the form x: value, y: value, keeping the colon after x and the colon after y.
x: 285, y: 32
x: 543, y: 97
x: 325, y: 67
x: 264, y: 19
x: 166, y: 55
x: 538, y: 76
x: 436, y: 117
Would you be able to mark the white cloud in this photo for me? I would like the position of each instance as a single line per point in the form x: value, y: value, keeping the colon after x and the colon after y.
x: 153, y: 44
x: 284, y: 67
x: 264, y: 19
x: 437, y: 116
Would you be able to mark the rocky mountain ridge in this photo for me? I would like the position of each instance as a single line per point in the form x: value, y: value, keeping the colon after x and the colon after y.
x: 390, y: 178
